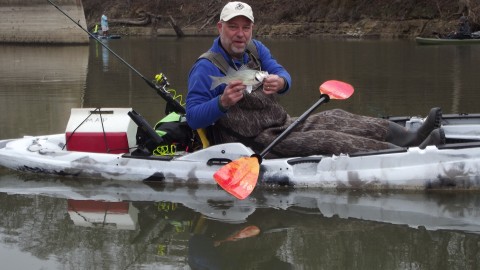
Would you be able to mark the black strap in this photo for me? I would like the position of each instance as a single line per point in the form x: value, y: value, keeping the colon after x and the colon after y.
x: 217, y: 59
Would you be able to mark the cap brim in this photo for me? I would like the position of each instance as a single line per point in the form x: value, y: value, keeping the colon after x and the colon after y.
x: 231, y: 16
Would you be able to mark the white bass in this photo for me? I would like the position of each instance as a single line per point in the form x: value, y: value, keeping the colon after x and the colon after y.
x: 249, y: 77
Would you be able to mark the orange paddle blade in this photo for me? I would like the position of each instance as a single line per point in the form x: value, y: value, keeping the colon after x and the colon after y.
x: 239, y: 177
x: 246, y: 232
x: 336, y: 89
x: 249, y: 231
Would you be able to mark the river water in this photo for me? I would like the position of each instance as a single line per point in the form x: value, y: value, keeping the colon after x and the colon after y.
x: 58, y: 223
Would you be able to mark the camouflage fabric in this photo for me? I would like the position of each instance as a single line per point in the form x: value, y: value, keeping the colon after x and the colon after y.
x: 258, y: 119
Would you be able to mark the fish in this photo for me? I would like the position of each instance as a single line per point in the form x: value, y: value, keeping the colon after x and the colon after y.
x: 249, y: 77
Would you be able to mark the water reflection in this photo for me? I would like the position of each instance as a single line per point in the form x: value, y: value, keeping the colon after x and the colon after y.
x: 112, y: 215
x: 158, y: 225
x: 38, y: 87
x: 105, y: 55
x: 460, y: 65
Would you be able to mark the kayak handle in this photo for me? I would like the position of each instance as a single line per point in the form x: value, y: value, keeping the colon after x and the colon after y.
x: 218, y: 161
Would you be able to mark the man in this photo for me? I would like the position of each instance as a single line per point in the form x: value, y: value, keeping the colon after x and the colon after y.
x: 104, y: 24
x: 234, y: 115
x: 464, y: 30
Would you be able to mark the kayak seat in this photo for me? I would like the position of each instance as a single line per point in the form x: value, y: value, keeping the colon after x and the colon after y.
x: 202, y: 133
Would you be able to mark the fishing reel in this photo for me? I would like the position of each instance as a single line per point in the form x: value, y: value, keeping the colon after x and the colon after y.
x: 161, y: 80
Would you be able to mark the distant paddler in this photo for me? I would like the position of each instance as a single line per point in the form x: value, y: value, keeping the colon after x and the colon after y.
x: 104, y: 24
x: 95, y: 29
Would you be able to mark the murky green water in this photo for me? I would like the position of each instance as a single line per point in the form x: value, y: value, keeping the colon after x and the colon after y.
x: 56, y: 223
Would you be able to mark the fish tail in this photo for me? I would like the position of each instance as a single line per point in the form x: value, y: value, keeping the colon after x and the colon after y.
x: 216, y: 81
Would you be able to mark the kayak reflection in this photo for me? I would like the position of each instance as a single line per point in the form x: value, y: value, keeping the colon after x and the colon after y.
x: 114, y: 215
x: 205, y: 228
x: 433, y: 210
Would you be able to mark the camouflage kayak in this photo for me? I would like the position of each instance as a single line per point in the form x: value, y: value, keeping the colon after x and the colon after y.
x: 455, y: 165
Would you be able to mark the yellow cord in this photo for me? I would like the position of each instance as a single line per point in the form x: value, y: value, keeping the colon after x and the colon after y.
x: 165, y: 150
x: 173, y: 92
x: 162, y: 81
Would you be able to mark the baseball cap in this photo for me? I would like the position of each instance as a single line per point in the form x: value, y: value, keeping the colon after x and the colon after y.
x: 234, y: 9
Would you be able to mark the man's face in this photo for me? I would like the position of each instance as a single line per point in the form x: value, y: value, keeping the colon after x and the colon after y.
x: 235, y: 35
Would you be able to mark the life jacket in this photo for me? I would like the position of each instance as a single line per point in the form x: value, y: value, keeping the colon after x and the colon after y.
x: 254, y: 113
x: 220, y: 62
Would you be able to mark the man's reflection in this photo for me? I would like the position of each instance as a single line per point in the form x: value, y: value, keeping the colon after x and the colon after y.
x: 105, y: 56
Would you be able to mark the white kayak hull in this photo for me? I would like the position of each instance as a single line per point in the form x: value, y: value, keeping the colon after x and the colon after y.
x: 451, y: 166
x: 413, y: 168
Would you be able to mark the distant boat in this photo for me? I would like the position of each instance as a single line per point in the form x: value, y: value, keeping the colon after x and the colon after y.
x: 446, y: 41
x: 99, y: 36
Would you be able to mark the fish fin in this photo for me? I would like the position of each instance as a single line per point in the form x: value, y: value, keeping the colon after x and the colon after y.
x: 244, y: 67
x: 216, y: 81
x: 230, y: 71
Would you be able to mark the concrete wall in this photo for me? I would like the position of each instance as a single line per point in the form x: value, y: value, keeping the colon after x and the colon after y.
x: 38, y: 21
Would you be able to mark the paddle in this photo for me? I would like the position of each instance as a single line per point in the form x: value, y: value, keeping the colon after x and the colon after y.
x: 174, y: 105
x: 239, y: 177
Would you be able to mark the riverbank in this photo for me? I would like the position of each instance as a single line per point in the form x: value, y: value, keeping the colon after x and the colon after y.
x: 364, y: 29
x: 284, y: 18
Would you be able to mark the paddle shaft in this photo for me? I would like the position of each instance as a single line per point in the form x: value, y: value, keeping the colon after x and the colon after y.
x: 175, y: 105
x: 323, y: 98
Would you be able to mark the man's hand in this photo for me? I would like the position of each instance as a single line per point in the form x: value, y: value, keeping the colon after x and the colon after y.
x: 232, y: 94
x: 272, y: 84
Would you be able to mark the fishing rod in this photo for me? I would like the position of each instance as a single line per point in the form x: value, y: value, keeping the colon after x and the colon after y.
x: 172, y: 103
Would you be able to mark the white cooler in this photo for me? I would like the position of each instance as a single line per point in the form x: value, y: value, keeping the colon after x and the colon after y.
x: 101, y: 130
